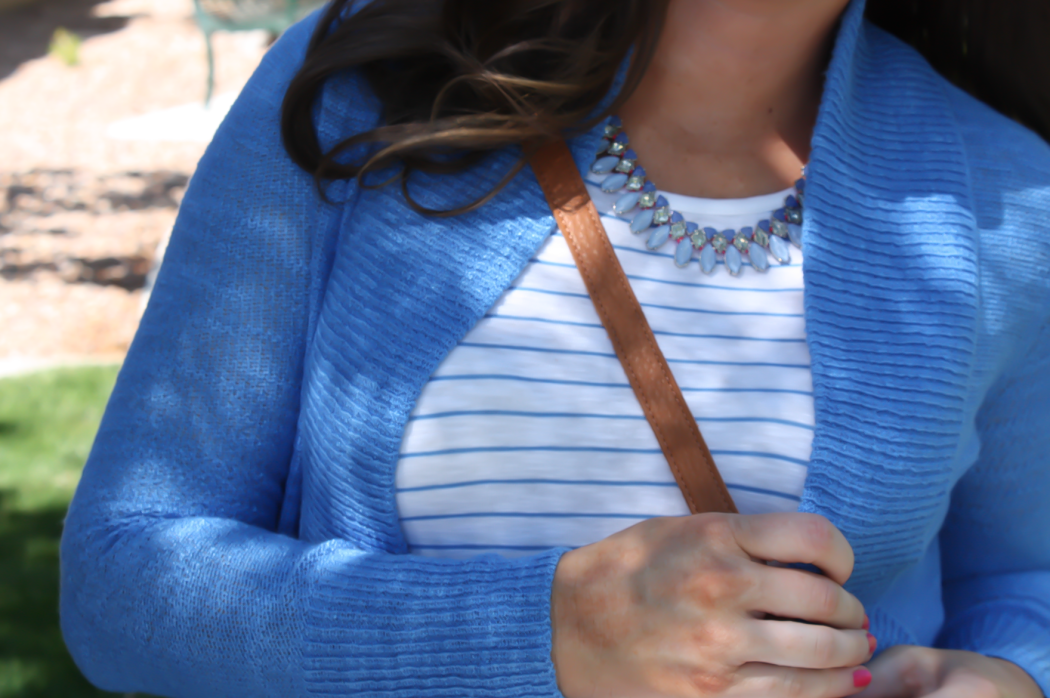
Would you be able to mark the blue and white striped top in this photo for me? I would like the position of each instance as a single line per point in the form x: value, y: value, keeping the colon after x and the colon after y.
x: 528, y: 436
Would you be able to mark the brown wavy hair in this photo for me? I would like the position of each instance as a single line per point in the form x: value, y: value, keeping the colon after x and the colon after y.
x: 460, y: 78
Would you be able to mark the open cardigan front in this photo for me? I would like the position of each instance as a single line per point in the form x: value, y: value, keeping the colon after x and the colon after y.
x: 235, y: 532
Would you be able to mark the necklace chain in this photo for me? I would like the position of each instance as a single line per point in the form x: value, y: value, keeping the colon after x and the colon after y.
x: 769, y: 238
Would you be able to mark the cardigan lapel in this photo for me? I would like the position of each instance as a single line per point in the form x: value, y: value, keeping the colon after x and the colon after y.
x: 891, y: 296
x: 410, y: 287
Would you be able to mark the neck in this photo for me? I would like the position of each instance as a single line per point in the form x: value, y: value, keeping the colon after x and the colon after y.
x: 727, y: 107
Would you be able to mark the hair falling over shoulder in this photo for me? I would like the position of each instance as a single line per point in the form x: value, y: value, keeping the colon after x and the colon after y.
x: 466, y: 77
x: 460, y: 78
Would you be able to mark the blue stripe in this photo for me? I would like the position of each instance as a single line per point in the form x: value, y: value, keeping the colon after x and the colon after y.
x: 587, y: 415
x: 585, y: 483
x: 662, y: 307
x: 759, y: 490
x: 688, y: 284
x: 538, y: 481
x: 522, y: 449
x: 575, y: 352
x: 528, y: 515
x: 523, y: 379
x: 760, y: 454
x: 586, y: 449
x: 598, y: 326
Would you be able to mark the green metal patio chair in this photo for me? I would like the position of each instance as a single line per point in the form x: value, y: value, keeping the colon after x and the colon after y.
x: 245, y: 15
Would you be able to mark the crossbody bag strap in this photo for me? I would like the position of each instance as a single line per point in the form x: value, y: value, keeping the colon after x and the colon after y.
x: 643, y: 362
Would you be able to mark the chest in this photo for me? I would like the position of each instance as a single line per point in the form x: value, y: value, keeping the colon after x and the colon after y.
x: 528, y: 436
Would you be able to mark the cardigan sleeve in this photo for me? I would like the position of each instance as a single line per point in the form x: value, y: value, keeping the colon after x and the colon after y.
x: 175, y: 579
x: 995, y: 543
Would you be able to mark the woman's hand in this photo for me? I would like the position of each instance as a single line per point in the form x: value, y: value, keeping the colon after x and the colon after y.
x: 913, y: 672
x: 677, y: 607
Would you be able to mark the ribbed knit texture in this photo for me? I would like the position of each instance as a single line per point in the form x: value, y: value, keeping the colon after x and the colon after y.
x: 235, y: 532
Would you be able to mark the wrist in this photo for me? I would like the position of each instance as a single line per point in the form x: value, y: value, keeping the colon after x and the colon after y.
x: 582, y: 649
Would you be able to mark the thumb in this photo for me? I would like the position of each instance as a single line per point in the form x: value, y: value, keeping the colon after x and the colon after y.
x: 902, y: 672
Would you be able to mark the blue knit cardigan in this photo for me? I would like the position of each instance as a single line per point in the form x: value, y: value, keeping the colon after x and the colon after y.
x: 236, y: 534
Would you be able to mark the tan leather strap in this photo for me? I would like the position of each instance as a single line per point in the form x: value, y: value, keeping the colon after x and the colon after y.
x: 624, y: 321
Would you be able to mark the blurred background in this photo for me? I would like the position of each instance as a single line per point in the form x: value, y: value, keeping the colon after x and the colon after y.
x: 102, y: 121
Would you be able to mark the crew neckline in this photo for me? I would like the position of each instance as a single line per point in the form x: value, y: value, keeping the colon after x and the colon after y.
x: 762, y: 205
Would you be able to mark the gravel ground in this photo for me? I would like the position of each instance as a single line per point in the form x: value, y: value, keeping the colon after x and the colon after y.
x: 82, y: 214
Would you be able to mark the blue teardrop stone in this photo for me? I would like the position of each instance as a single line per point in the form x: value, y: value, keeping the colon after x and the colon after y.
x: 676, y: 217
x: 795, y: 234
x: 734, y: 262
x: 658, y: 237
x: 780, y: 249
x: 708, y: 259
x: 649, y: 186
x: 661, y: 202
x: 626, y: 202
x: 684, y: 252
x: 614, y: 182
x: 642, y: 221
x: 605, y: 165
x: 759, y: 260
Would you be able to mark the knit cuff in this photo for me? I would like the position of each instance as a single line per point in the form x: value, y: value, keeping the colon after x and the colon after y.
x: 403, y: 625
x: 1013, y: 631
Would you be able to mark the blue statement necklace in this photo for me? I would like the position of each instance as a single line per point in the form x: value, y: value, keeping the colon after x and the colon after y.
x: 770, y: 238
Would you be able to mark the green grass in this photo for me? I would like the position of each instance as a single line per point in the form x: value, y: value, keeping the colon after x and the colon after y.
x: 47, y: 423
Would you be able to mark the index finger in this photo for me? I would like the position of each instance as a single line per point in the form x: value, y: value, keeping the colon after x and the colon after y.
x: 795, y: 537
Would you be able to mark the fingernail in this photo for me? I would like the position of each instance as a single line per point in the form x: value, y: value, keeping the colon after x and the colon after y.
x: 872, y: 643
x: 861, y: 678
x: 867, y: 623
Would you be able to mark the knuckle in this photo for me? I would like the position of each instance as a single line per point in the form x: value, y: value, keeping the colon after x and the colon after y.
x: 717, y: 639
x: 914, y: 678
x: 823, y: 648
x: 818, y: 533
x: 708, y: 683
x: 793, y: 686
x: 721, y: 583
x: 716, y: 529
x: 825, y: 599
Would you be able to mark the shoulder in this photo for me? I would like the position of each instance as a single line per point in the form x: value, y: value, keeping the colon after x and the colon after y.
x: 346, y: 103
x: 986, y: 135
x: 1009, y: 174
x: 1003, y: 170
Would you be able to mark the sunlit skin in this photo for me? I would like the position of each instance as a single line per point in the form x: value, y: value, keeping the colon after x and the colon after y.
x: 728, y: 105
x: 676, y: 607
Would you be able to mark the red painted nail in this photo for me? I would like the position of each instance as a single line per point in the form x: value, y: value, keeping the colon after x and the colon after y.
x: 861, y: 678
x: 867, y: 623
x: 872, y: 643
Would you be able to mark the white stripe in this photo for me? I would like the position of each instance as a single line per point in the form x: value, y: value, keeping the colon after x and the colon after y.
x: 542, y: 349
x: 492, y: 431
